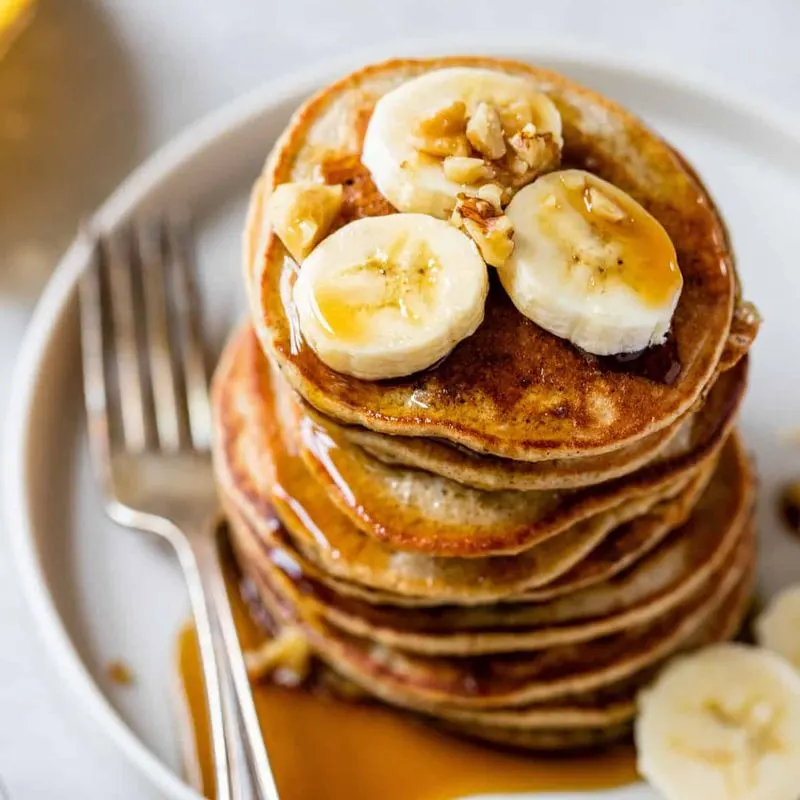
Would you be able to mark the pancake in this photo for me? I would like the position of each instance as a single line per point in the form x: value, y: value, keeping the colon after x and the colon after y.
x: 413, y: 510
x: 254, y: 466
x: 597, y: 718
x: 618, y: 551
x: 527, y: 728
x: 616, y: 704
x: 262, y: 453
x: 367, y: 570
x: 425, y: 683
x: 511, y: 389
x: 491, y: 473
x: 653, y: 586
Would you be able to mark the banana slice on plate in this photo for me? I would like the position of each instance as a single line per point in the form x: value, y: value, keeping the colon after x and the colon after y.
x: 452, y: 130
x: 590, y: 264
x: 778, y: 626
x: 387, y: 296
x: 722, y: 724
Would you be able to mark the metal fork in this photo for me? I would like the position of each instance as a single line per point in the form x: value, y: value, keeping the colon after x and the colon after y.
x: 146, y: 395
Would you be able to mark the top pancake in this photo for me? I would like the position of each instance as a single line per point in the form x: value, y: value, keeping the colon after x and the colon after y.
x: 511, y: 389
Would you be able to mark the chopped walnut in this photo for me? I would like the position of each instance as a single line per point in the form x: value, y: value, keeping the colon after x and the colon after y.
x: 539, y: 151
x: 302, y: 214
x: 443, y: 133
x: 448, y: 121
x: 492, y: 193
x: 443, y: 146
x: 467, y: 170
x: 604, y: 206
x: 287, y: 658
x: 500, y: 144
x: 474, y: 208
x: 487, y: 226
x: 514, y: 116
x: 518, y: 166
x: 485, y: 132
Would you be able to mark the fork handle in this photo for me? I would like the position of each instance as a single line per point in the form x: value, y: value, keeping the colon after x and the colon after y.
x: 242, y: 785
x: 191, y: 558
x: 250, y: 740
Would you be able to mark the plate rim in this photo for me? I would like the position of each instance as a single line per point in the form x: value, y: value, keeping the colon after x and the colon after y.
x: 186, y: 145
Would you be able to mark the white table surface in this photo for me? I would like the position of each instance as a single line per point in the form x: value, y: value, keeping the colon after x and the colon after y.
x: 96, y: 85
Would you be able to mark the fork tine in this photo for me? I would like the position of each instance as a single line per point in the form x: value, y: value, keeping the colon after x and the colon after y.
x: 92, y: 349
x: 168, y: 410
x: 187, y: 307
x: 119, y: 257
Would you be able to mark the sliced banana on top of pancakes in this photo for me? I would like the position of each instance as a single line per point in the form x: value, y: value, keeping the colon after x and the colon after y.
x: 453, y: 130
x: 387, y: 296
x: 590, y: 265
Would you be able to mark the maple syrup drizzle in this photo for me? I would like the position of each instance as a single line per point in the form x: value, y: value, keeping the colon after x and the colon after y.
x: 646, y: 261
x: 321, y: 746
x: 400, y: 280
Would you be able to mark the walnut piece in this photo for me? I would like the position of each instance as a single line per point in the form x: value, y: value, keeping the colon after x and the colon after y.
x: 448, y: 121
x: 302, y: 213
x: 515, y: 116
x: 467, y: 170
x: 539, y: 151
x: 443, y: 133
x: 287, y: 658
x: 604, y: 206
x: 485, y: 132
x: 517, y: 166
x: 443, y: 146
x: 487, y: 226
x: 492, y: 193
x: 497, y: 143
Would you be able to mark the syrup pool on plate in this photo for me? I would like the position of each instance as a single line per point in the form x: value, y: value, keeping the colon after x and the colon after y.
x: 320, y: 746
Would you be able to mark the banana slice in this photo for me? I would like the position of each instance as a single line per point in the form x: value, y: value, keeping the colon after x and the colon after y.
x: 778, y: 626
x: 388, y: 296
x: 590, y: 264
x: 452, y: 130
x: 722, y: 724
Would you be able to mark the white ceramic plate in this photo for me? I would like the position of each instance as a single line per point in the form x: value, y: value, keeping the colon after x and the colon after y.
x: 101, y: 594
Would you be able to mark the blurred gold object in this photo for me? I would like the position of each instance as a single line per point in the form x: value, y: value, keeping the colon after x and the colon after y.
x: 14, y: 15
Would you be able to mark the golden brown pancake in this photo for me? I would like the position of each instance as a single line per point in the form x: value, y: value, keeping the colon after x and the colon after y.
x: 590, y: 727
x: 254, y: 466
x: 613, y: 704
x: 425, y: 683
x: 492, y: 473
x: 367, y: 570
x: 594, y: 718
x: 261, y: 451
x: 511, y: 389
x: 651, y: 587
x: 413, y: 510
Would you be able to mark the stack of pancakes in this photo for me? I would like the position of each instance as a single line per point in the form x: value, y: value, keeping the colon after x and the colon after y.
x: 513, y: 541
